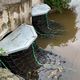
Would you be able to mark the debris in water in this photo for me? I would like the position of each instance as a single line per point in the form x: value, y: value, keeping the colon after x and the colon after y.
x: 53, y: 67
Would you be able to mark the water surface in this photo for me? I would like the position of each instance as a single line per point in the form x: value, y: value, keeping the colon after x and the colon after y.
x: 67, y: 45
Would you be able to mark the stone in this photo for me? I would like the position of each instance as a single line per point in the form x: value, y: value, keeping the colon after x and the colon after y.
x: 5, y: 74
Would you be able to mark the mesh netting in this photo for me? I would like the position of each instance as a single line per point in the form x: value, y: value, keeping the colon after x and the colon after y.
x: 23, y: 63
x: 20, y: 63
x: 48, y: 27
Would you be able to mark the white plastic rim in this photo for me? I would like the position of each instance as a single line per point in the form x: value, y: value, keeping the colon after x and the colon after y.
x: 40, y: 9
x: 19, y: 39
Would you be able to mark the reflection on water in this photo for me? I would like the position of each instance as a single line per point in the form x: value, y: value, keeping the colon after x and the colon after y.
x: 67, y: 19
x: 68, y: 45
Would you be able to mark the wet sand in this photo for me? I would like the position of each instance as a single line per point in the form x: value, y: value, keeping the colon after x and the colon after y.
x: 68, y: 45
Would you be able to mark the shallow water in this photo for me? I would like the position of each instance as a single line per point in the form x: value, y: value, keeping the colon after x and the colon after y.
x: 67, y: 45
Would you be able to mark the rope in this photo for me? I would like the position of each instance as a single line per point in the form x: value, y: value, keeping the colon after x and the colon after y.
x: 47, y: 21
x: 34, y: 55
x: 47, y: 25
x: 44, y: 34
x: 3, y: 64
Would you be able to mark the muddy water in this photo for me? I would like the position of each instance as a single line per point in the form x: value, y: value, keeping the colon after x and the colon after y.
x: 67, y: 45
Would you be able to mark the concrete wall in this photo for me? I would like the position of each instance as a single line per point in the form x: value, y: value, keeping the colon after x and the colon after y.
x: 34, y: 2
x: 13, y: 13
